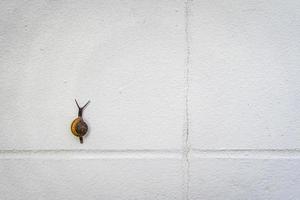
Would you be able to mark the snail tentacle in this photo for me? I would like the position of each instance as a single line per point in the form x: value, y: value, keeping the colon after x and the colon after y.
x: 77, y: 104
x: 86, y: 104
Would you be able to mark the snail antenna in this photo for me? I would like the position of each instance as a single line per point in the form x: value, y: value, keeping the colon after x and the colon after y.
x: 86, y: 104
x: 77, y: 104
x: 80, y: 109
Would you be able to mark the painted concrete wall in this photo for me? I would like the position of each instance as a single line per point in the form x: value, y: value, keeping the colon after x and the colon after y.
x: 189, y: 100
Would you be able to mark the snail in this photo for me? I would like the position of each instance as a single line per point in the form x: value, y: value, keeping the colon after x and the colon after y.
x: 78, y: 127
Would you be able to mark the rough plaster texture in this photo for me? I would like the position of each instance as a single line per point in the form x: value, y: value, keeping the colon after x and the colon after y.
x: 244, y: 85
x: 91, y: 179
x: 127, y: 57
x: 259, y: 179
x: 189, y: 99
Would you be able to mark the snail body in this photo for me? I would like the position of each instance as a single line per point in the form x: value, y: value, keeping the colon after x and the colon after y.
x: 79, y: 127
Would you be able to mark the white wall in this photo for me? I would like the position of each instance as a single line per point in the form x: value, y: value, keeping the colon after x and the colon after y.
x: 189, y: 100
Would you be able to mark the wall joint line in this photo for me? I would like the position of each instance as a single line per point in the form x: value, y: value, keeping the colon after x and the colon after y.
x: 186, y: 144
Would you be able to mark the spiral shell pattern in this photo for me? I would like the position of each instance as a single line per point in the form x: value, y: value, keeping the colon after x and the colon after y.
x: 78, y: 127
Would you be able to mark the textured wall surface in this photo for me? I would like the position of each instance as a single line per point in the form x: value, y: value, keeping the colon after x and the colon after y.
x: 189, y: 99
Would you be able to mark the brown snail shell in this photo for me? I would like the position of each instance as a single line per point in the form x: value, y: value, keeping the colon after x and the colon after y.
x: 78, y: 127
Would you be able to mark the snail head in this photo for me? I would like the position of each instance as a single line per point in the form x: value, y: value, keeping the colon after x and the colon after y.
x: 80, y: 109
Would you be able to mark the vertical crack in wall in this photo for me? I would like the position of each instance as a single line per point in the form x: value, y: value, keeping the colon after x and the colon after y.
x: 186, y: 145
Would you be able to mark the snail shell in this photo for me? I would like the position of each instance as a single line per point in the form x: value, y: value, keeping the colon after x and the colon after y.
x: 78, y: 127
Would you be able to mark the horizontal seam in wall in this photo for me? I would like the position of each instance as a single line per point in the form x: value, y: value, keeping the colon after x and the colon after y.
x: 90, y: 154
x: 151, y: 154
x: 247, y: 153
